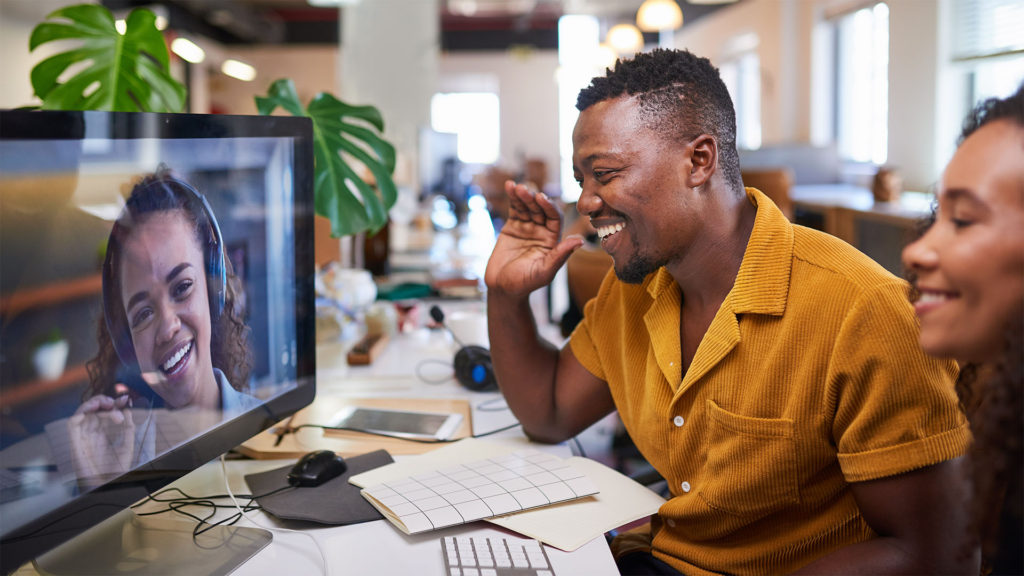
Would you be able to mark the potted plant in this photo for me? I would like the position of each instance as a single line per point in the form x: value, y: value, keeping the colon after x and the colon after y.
x: 129, y: 71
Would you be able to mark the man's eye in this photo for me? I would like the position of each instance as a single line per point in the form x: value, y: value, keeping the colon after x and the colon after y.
x: 960, y: 222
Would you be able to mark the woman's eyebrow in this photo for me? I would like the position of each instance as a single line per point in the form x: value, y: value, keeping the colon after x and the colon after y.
x: 177, y: 270
x: 143, y: 294
x: 964, y: 195
x: 136, y: 298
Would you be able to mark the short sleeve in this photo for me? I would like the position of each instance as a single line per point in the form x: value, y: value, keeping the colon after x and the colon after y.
x: 895, y: 408
x: 582, y: 341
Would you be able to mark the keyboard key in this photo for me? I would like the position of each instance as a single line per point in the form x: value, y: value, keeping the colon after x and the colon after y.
x: 494, y: 556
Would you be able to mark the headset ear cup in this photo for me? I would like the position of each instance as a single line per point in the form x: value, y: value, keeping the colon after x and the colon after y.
x: 473, y: 369
x: 216, y: 276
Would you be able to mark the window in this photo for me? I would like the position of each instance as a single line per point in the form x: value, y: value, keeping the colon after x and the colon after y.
x: 742, y: 77
x: 475, y: 118
x: 987, y: 40
x: 862, y: 84
x: 578, y: 38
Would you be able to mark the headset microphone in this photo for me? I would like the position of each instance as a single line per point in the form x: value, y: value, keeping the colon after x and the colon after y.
x: 472, y: 363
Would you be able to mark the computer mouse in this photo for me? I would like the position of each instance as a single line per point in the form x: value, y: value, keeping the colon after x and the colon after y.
x: 315, y: 468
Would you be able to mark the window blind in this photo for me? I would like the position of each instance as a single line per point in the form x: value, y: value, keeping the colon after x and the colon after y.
x: 987, y: 28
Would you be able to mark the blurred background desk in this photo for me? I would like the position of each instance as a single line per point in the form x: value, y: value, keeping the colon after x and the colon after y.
x: 878, y: 229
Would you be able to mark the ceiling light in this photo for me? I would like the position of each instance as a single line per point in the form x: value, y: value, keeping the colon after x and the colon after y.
x: 656, y: 15
x: 188, y: 50
x: 239, y: 70
x: 625, y: 39
x: 161, y: 22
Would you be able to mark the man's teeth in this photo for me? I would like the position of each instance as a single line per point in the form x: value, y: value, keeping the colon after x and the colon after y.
x: 930, y: 297
x: 606, y: 231
x: 177, y: 357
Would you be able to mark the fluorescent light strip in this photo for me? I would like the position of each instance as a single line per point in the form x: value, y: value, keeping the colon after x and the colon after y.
x: 239, y: 70
x: 188, y: 50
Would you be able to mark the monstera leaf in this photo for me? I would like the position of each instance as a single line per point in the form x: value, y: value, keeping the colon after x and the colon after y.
x: 342, y: 133
x: 113, y: 71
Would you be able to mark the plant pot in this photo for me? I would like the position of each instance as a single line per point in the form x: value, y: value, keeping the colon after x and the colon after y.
x: 49, y: 359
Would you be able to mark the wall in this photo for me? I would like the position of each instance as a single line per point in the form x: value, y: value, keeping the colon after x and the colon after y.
x: 313, y: 69
x: 784, y: 40
x: 391, y: 62
x: 17, y: 19
x: 528, y: 95
x: 784, y: 29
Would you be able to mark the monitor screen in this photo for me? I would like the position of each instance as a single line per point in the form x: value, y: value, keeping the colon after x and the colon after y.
x: 156, y: 305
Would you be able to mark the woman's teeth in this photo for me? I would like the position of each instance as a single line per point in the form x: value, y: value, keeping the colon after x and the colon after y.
x: 606, y: 231
x: 932, y: 297
x: 173, y: 360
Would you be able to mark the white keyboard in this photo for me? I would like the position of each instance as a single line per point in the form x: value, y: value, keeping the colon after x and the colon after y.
x: 495, y: 556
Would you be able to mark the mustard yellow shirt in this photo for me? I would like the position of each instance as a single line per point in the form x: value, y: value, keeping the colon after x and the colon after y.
x: 809, y: 378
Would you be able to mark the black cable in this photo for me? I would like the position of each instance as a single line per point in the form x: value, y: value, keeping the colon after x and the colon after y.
x: 579, y: 447
x: 180, y: 503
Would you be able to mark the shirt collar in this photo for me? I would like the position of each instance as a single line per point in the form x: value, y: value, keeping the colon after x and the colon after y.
x: 762, y: 284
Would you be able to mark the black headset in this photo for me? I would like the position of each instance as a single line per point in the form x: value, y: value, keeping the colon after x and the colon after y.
x: 194, y: 204
x: 472, y: 363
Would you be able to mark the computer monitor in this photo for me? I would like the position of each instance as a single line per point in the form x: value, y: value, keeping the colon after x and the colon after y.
x: 156, y: 305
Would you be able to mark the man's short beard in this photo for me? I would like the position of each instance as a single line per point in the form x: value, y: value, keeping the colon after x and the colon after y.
x: 638, y: 268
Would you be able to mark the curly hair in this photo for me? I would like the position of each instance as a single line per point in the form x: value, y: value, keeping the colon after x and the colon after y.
x: 230, y: 335
x: 680, y: 96
x: 992, y: 396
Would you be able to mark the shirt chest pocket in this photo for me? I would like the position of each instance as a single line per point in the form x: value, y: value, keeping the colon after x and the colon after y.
x: 751, y: 465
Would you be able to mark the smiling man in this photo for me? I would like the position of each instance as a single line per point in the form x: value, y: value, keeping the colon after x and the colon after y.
x: 769, y: 372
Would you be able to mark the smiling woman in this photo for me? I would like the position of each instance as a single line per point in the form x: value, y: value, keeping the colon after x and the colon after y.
x: 968, y: 273
x: 172, y: 334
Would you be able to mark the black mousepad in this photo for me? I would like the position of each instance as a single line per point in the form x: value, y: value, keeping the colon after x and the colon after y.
x: 334, y: 502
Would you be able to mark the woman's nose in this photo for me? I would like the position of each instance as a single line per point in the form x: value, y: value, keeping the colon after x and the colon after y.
x: 170, y: 323
x: 919, y: 254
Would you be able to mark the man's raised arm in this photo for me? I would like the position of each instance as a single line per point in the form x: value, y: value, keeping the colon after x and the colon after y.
x: 548, y: 390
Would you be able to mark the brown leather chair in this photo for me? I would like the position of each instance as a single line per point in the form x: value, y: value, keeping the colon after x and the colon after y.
x: 775, y: 183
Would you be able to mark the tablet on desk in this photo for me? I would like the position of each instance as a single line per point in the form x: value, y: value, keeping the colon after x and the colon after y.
x: 402, y: 423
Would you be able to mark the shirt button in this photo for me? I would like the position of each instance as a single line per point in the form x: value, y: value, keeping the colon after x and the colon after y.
x: 678, y: 421
x: 685, y: 486
x: 671, y: 523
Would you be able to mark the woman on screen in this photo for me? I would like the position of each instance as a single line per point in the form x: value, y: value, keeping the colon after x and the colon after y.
x: 968, y: 273
x: 172, y: 335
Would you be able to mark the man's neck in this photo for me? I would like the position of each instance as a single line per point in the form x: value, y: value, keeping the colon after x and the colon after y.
x: 708, y: 271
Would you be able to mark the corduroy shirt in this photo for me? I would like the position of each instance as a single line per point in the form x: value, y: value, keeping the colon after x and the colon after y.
x: 809, y: 378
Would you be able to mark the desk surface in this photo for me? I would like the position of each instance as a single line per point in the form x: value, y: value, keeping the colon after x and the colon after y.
x: 911, y: 205
x: 375, y: 548
x: 378, y: 547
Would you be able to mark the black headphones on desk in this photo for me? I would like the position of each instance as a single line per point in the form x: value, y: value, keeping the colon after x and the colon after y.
x: 472, y: 363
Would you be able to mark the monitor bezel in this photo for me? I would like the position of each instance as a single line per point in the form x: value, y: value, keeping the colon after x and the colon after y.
x: 76, y: 516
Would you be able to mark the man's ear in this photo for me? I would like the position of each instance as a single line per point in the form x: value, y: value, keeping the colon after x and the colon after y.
x: 703, y: 153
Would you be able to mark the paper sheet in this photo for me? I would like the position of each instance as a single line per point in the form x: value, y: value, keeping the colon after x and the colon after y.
x: 565, y: 526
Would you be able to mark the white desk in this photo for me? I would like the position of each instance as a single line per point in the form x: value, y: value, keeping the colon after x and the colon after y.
x: 378, y: 547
